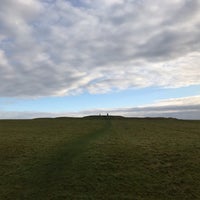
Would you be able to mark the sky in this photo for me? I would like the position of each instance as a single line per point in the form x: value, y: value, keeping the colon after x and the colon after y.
x: 137, y: 58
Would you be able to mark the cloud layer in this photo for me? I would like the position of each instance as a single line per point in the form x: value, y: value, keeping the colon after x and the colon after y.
x: 181, y: 108
x: 56, y: 48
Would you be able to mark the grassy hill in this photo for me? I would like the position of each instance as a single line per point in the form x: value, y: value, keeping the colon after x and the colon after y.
x: 111, y: 158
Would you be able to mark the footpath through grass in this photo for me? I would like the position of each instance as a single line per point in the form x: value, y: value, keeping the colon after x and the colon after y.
x: 101, y: 158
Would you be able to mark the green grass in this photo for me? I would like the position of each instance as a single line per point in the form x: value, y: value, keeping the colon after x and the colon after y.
x: 99, y: 158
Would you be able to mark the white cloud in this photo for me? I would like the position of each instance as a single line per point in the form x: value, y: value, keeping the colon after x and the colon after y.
x: 53, y: 48
x: 184, y: 101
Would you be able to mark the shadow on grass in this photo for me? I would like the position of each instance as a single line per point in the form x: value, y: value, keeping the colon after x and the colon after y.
x: 59, y: 170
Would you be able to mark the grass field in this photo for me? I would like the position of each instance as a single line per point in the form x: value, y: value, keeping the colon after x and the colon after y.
x: 99, y: 158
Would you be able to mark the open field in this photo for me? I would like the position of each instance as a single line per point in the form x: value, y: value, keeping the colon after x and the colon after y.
x: 99, y: 158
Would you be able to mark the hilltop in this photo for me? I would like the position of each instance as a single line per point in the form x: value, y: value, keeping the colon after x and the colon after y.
x: 103, y: 117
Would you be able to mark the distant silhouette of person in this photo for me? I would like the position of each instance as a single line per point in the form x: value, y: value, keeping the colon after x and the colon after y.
x: 107, y: 115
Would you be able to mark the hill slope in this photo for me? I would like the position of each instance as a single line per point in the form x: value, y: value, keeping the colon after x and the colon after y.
x: 89, y: 158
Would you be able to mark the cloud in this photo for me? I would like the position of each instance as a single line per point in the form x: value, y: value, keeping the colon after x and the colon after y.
x: 181, y: 108
x: 57, y: 48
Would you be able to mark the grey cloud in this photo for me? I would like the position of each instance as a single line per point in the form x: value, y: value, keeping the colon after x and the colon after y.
x: 168, y: 45
x: 61, y: 47
x: 186, y: 12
